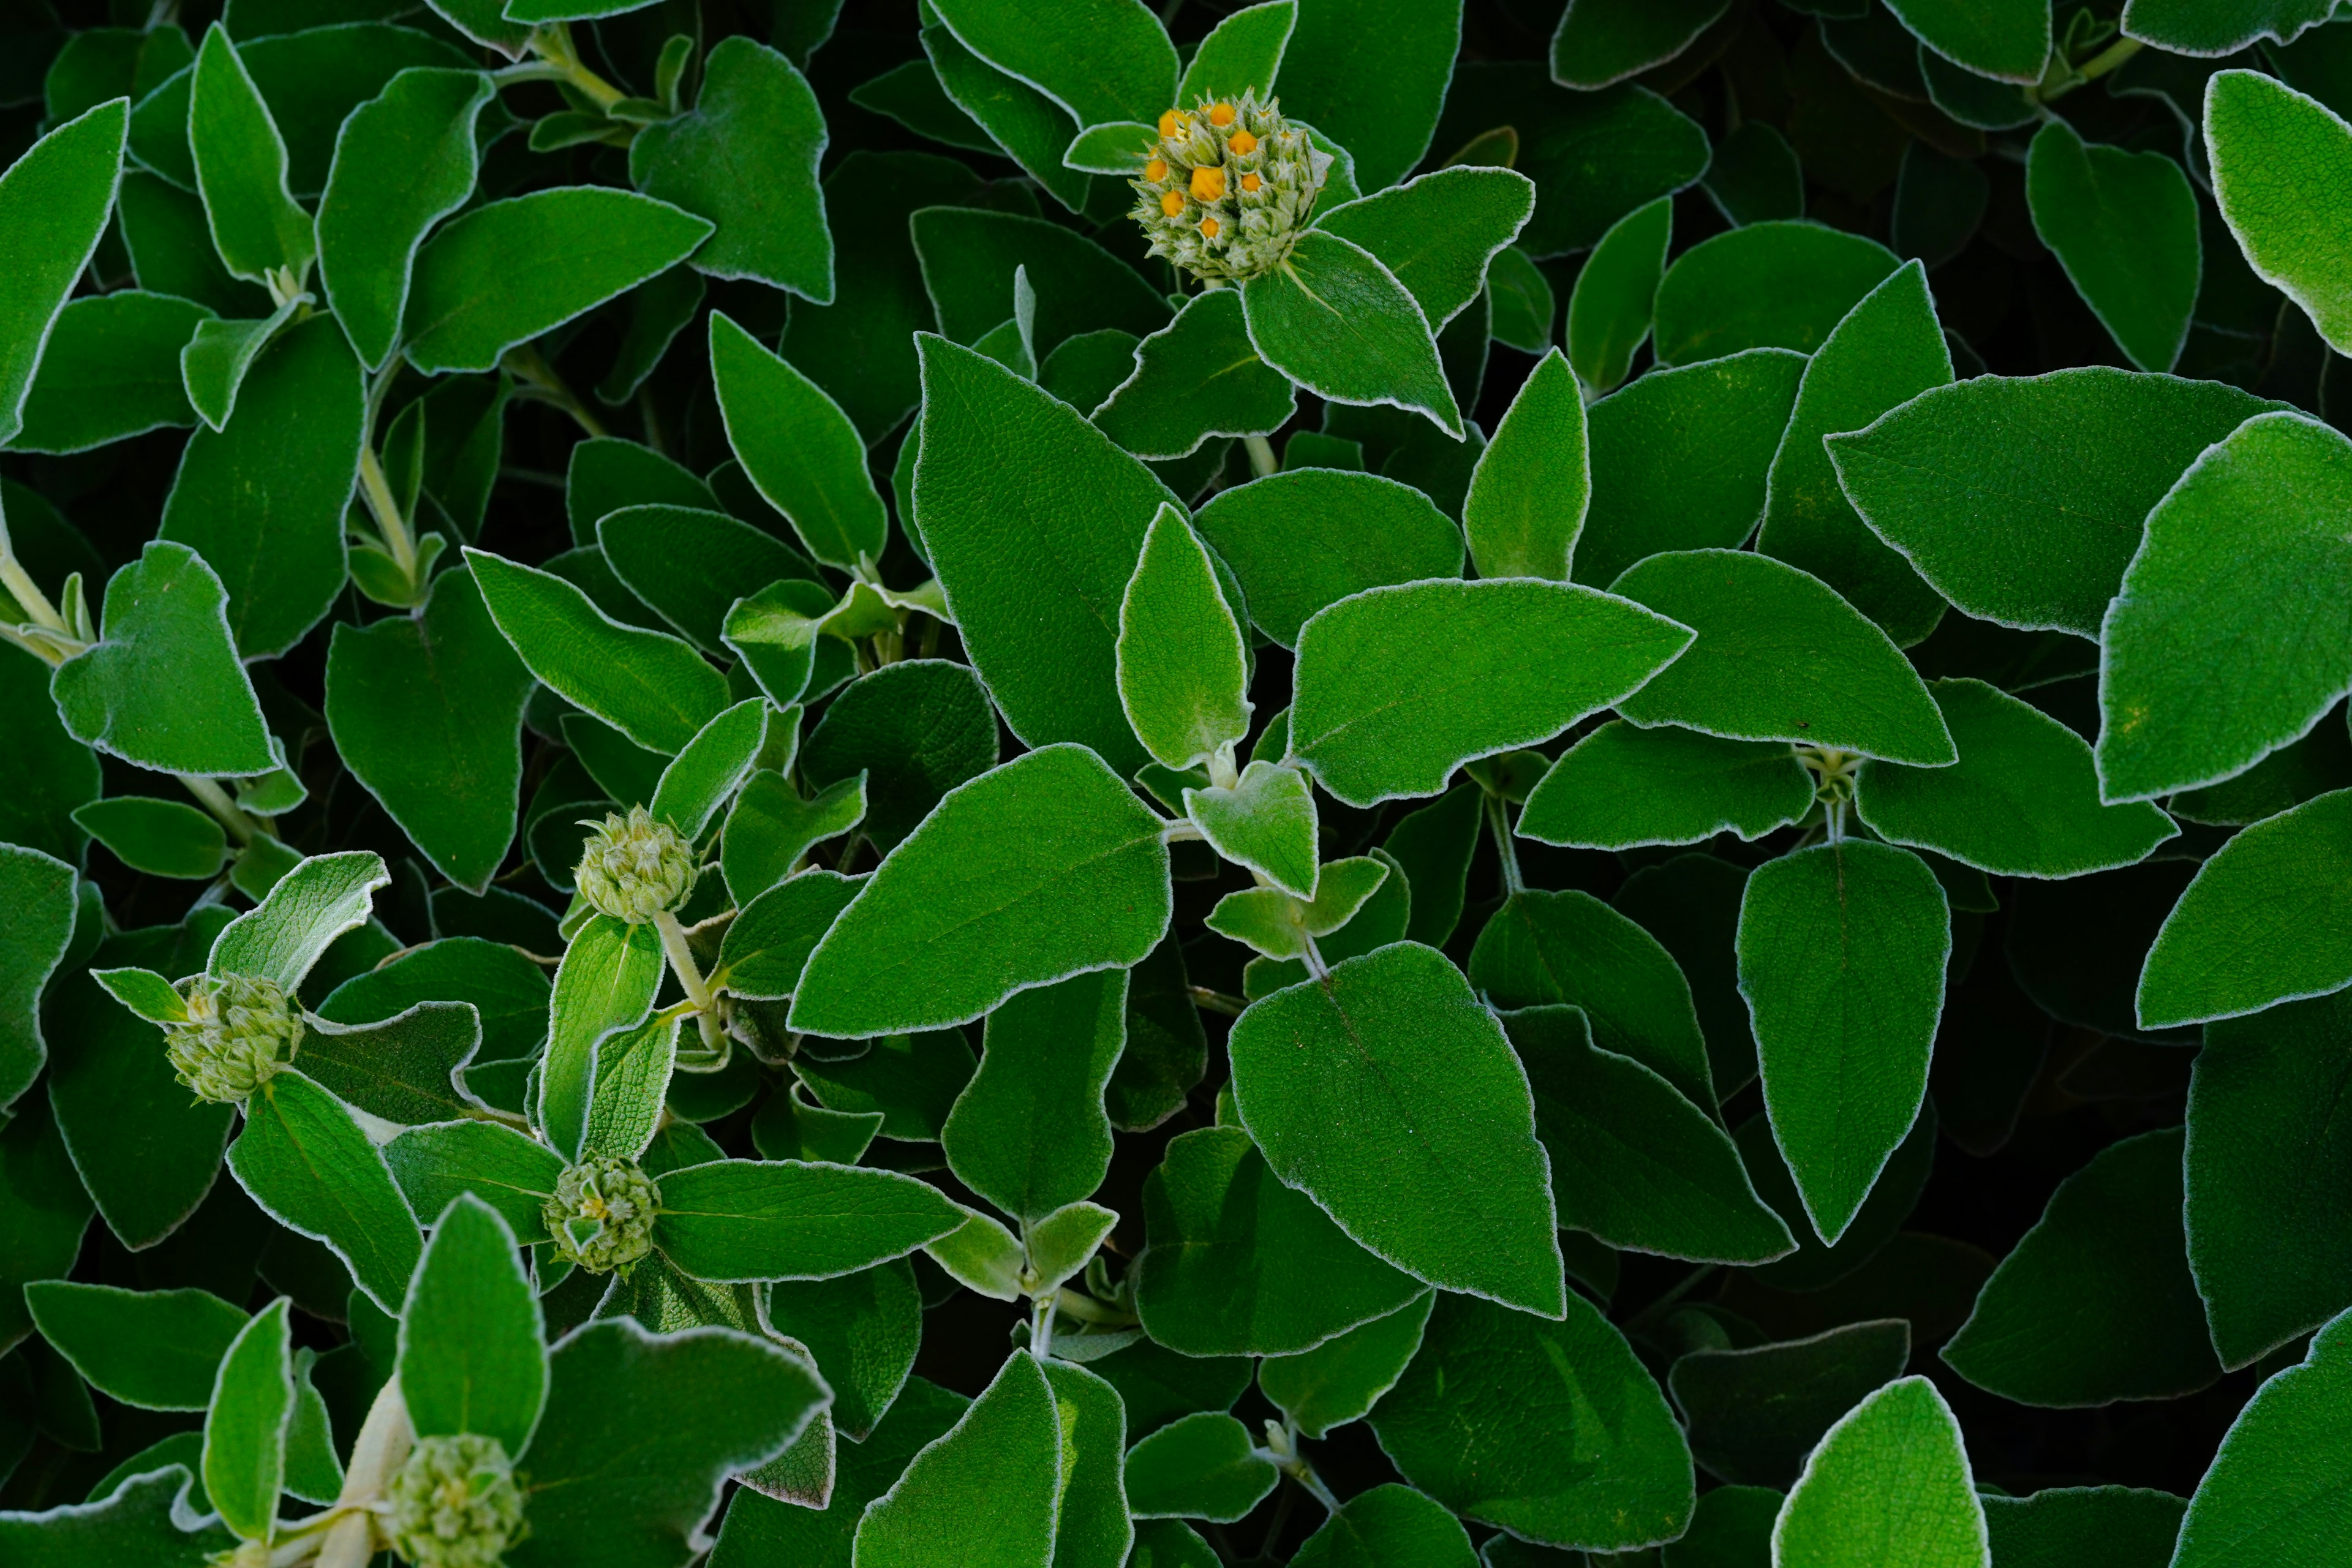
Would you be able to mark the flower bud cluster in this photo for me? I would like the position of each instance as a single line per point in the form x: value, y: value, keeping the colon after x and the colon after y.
x: 1228, y: 188
x: 455, y: 1503
x: 634, y: 867
x: 602, y: 1214
x: 239, y: 1031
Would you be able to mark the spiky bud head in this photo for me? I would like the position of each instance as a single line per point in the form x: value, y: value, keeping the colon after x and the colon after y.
x: 239, y: 1031
x: 634, y: 867
x: 1228, y: 188
x: 602, y: 1214
x: 454, y: 1503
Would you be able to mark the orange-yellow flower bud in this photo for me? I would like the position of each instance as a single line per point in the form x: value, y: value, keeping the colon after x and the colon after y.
x: 1243, y: 144
x: 1172, y: 124
x: 1156, y: 170
x: 1208, y: 229
x: 1208, y: 183
x: 1222, y: 116
x: 1250, y: 182
x: 1171, y: 203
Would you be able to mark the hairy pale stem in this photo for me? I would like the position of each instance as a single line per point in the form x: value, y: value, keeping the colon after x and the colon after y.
x: 689, y: 978
x: 1261, y: 456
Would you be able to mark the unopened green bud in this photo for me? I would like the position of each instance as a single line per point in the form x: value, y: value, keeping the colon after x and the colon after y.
x: 1228, y: 188
x: 602, y: 1216
x: 239, y: 1031
x: 455, y: 1503
x: 634, y: 867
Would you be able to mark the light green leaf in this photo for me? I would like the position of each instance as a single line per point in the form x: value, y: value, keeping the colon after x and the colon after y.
x: 510, y: 1171
x: 1241, y: 54
x: 983, y: 1255
x: 1181, y: 662
x: 606, y: 982
x: 508, y: 271
x: 770, y: 828
x: 1623, y: 787
x: 2218, y: 649
x: 1781, y: 285
x: 1197, y: 377
x: 798, y: 448
x: 1383, y: 677
x: 1889, y: 1485
x: 2279, y: 158
x: 1528, y: 492
x: 1307, y: 538
x: 1236, y: 1263
x: 2022, y: 801
x: 1028, y: 1133
x: 304, y: 1160
x: 1387, y: 1093
x: 2273, y: 1492
x: 404, y: 161
x: 1101, y: 59
x: 213, y: 362
x: 746, y: 158
x: 2265, y: 920
x: 1888, y: 350
x: 705, y: 774
x: 2124, y: 224
x: 1341, y: 1379
x: 654, y: 688
x: 1779, y: 656
x: 782, y: 1219
x: 689, y: 565
x: 1040, y: 869
x: 312, y: 905
x: 2095, y: 1303
x: 406, y: 1070
x: 1201, y: 1465
x: 154, y: 1350
x: 1001, y: 1462
x: 1435, y: 234
x: 471, y: 1357
x: 1265, y: 823
x: 1279, y: 925
x: 1599, y: 42
x: 240, y: 167
x: 1841, y: 953
x: 633, y: 1077
x: 111, y: 370
x: 245, y: 1428
x: 1552, y: 1430
x: 1609, y: 308
x: 2021, y: 499
x: 55, y: 201
x: 1754, y: 1414
x: 1333, y: 319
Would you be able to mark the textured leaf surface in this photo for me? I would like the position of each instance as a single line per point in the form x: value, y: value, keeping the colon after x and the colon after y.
x: 2280, y: 160
x: 1889, y: 1485
x: 2275, y: 1487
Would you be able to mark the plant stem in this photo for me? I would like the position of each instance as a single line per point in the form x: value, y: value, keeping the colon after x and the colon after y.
x: 1499, y: 817
x: 1261, y: 456
x: 1041, y: 1325
x: 386, y: 509
x: 1210, y: 1001
x: 384, y: 1439
x: 553, y: 43
x: 689, y: 977
x: 539, y: 380
x: 215, y: 799
x: 2109, y: 59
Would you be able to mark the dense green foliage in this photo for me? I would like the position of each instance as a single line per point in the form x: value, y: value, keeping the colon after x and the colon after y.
x: 1050, y: 783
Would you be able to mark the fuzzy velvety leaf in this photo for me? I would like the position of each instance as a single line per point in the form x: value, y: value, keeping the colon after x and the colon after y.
x: 1388, y: 1524
x: 1305, y: 539
x: 154, y: 1350
x: 134, y: 1525
x: 798, y: 448
x: 2124, y: 224
x: 1341, y: 1379
x: 1334, y: 320
x: 240, y: 168
x: 471, y: 1356
x: 304, y: 1160
x: 1202, y: 1465
x: 245, y: 1428
x: 111, y: 370
x: 2009, y: 40
x: 2124, y: 1526
x: 40, y: 893
x: 1528, y: 495
x: 1609, y: 308
x: 1388, y: 1094
x: 1889, y: 1485
x: 969, y: 256
x: 758, y: 1219
x: 404, y: 1069
x: 1371, y: 75
x: 55, y: 200
x: 315, y: 902
x: 1194, y: 378
x: 2280, y: 158
x: 1755, y: 1414
x: 1040, y: 869
x: 706, y: 773
x: 1781, y: 285
x: 864, y: 1330
x: 1599, y: 42
x: 1001, y: 1462
x: 913, y: 731
x: 1101, y: 59
x: 1437, y: 233
x: 690, y: 565
x: 510, y: 1171
x: 1621, y: 787
x: 607, y: 982
x: 2275, y: 1491
x: 1265, y: 823
x: 1182, y: 664
x: 1028, y: 1133
x: 768, y: 944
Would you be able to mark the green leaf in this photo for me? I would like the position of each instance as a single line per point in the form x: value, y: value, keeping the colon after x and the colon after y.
x: 2072, y: 1524
x: 136, y: 1523
x: 1599, y: 42
x: 240, y: 167
x: 1524, y: 304
x: 1609, y: 308
x: 768, y: 944
x: 1371, y: 75
x: 766, y: 1219
x: 304, y: 1160
x: 2262, y: 923
x: 640, y: 1434
x: 1388, y: 1524
x: 864, y: 1330
x: 245, y: 1428
x: 2022, y: 801
x: 633, y: 1067
x: 705, y: 776
x: 912, y: 1080
x: 1101, y: 59
x: 1040, y: 869
x: 606, y: 473
x: 262, y: 499
x: 1842, y: 956
x: 2229, y: 579
x: 1382, y: 677
x: 1779, y: 656
x: 654, y: 687
x: 1001, y: 1462
x: 2009, y: 41
x: 2021, y: 499
x: 2124, y: 224
x: 2269, y: 1258
x: 312, y: 905
x: 45, y: 776
x: 760, y: 1530
x: 509, y: 1171
x: 1033, y: 521
x: 154, y: 1350
x: 606, y: 982
x: 1303, y: 540
x: 1180, y: 659
x: 1889, y: 1485
x: 1755, y: 1414
x: 1635, y: 1161
x: 1388, y: 1094
x: 1780, y: 285
x: 470, y: 1351
x: 1888, y: 350
x: 214, y: 363
x: 798, y: 448
x: 1202, y: 1465
x: 1279, y: 925
x: 405, y: 1070
x: 1552, y: 1431
x: 505, y: 272
x: 2271, y: 1493
x: 1528, y: 492
x: 746, y: 157
x: 55, y: 201
x: 1195, y: 378
x: 1092, y: 1528
x: 1682, y: 459
x: 689, y: 565
x: 1621, y: 787
x: 2278, y: 156
x: 404, y: 161
x: 1433, y: 846
x: 111, y: 370
x: 1029, y: 1133
x: 2095, y: 1303
x: 1334, y: 320
x: 1341, y: 1379
x: 40, y: 893
x: 1265, y: 823
x: 1437, y: 233
x: 1542, y: 949
x: 1241, y: 54
x: 1236, y: 1263
x: 969, y: 257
